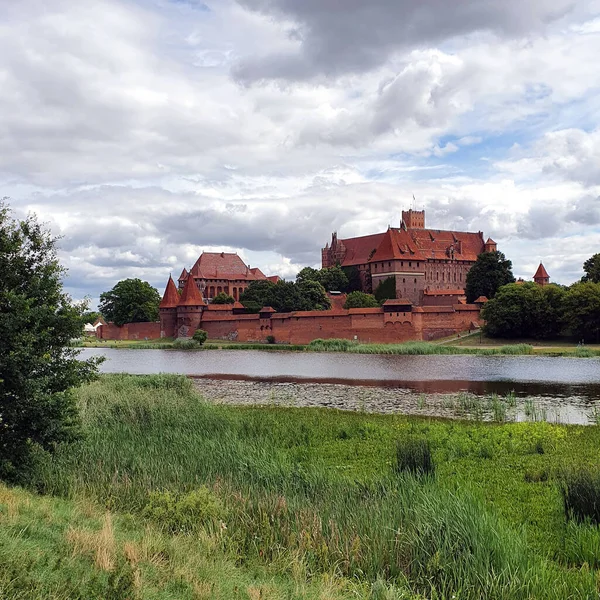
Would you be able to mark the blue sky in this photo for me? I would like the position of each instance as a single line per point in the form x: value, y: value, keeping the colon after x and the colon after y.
x: 144, y: 132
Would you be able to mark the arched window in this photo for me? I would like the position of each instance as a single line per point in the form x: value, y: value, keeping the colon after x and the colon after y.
x: 219, y: 290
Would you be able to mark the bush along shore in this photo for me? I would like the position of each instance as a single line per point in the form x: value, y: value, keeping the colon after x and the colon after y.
x: 349, y: 346
x: 168, y: 496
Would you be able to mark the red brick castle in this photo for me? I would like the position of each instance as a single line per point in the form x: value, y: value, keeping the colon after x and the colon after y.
x: 429, y: 266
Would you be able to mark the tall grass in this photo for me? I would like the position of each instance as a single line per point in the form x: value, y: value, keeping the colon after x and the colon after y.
x: 412, y: 348
x: 153, y: 434
x: 413, y: 455
x: 581, y: 495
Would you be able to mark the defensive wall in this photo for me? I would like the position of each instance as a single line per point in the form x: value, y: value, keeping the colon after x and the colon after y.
x: 388, y: 324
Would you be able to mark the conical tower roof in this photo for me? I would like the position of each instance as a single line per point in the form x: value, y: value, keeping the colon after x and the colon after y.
x: 541, y: 273
x: 171, y: 297
x: 191, y: 295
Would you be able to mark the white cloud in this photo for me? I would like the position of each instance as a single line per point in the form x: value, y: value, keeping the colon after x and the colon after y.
x: 123, y: 125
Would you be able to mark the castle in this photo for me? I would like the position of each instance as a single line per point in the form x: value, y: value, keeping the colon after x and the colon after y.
x: 217, y: 272
x: 429, y: 266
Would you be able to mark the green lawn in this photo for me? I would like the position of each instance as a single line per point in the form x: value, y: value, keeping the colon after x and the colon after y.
x: 171, y: 497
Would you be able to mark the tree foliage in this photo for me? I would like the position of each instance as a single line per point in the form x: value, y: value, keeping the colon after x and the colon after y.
x: 331, y: 278
x: 130, y: 301
x: 223, y: 298
x: 490, y: 272
x: 285, y: 296
x: 582, y: 311
x: 386, y: 290
x: 360, y: 300
x: 37, y: 366
x: 354, y: 281
x: 525, y: 311
x: 592, y: 269
x: 200, y: 336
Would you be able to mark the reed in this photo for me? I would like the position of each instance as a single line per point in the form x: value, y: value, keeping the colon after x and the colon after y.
x: 154, y: 449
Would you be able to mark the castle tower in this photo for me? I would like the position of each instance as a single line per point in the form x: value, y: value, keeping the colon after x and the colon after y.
x: 168, y: 310
x: 413, y: 219
x: 189, y: 309
x: 541, y: 276
x: 490, y: 245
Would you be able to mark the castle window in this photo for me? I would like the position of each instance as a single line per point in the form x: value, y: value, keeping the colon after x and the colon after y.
x: 410, y: 264
x: 404, y: 280
x: 415, y: 281
x: 389, y: 264
x: 401, y: 263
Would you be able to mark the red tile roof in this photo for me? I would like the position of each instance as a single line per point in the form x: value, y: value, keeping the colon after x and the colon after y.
x: 541, y: 273
x: 171, y: 297
x: 481, y: 300
x: 183, y: 275
x: 397, y: 302
x: 224, y: 265
x: 416, y: 244
x: 191, y: 295
x: 360, y: 249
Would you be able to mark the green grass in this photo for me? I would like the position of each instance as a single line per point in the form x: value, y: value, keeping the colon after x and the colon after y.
x: 466, y: 345
x: 301, y: 503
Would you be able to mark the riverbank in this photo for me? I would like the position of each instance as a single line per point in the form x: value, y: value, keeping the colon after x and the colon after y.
x: 466, y: 345
x: 399, y: 400
x: 170, y: 496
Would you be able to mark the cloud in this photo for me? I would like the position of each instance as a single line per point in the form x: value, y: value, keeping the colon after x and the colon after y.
x: 333, y: 38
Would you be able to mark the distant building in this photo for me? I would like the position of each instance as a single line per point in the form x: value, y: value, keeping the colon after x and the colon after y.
x: 216, y: 272
x: 429, y: 266
x: 541, y: 276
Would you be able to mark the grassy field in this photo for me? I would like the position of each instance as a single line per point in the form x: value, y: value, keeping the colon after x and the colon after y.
x: 170, y: 497
x: 468, y: 344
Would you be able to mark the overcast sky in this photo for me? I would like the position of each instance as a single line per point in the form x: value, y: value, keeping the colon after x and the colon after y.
x: 147, y: 131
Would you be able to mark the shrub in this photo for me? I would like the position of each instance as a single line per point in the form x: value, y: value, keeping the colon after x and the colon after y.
x: 413, y: 455
x: 223, y: 298
x: 360, y: 300
x: 580, y: 490
x: 333, y: 345
x: 270, y: 339
x: 200, y: 336
x: 186, y: 344
x: 185, y: 512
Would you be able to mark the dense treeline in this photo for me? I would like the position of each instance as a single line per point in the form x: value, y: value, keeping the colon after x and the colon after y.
x: 531, y: 311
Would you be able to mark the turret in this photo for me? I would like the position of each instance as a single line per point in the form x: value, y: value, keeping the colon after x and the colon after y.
x: 541, y: 276
x: 413, y: 219
x: 490, y: 245
x: 189, y: 309
x: 168, y: 310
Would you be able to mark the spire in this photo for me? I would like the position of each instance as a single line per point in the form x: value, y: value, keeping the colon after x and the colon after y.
x: 541, y: 275
x: 191, y: 295
x: 171, y: 297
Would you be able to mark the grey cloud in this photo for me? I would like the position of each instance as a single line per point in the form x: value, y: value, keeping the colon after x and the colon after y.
x: 541, y: 222
x: 586, y: 211
x: 354, y: 35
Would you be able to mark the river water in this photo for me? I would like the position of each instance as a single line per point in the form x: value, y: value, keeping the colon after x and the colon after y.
x: 569, y: 385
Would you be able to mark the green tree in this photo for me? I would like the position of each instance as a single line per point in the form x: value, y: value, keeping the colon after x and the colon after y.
x: 331, y: 278
x: 286, y: 296
x: 90, y: 316
x: 130, y: 301
x: 525, y: 311
x: 490, y: 272
x: 592, y: 269
x: 258, y: 293
x: 360, y: 300
x: 38, y: 369
x: 582, y: 310
x: 223, y: 298
x: 314, y: 296
x: 308, y: 274
x: 334, y: 279
x: 354, y: 280
x: 200, y: 336
x: 386, y: 290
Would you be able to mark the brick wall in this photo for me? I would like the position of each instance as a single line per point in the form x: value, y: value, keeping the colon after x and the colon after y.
x: 365, y: 325
x: 129, y: 331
